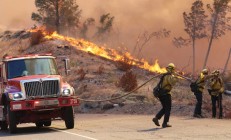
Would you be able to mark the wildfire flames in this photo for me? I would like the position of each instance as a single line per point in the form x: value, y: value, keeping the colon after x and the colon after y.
x: 107, y: 53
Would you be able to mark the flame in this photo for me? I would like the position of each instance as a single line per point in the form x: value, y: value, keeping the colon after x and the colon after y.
x: 107, y: 53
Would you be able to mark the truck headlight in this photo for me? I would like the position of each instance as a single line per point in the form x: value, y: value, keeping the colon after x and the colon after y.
x: 16, y: 96
x: 66, y: 92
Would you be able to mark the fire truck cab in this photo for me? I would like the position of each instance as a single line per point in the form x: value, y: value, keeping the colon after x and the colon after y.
x: 33, y: 91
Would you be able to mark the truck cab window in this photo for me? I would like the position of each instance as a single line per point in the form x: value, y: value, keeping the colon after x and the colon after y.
x: 35, y: 66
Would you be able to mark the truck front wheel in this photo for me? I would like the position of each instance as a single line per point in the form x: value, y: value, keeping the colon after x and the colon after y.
x: 39, y: 124
x: 4, y: 125
x: 47, y: 123
x: 11, y: 120
x: 69, y: 117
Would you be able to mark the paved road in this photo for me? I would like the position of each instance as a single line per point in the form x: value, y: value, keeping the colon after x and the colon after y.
x: 125, y: 127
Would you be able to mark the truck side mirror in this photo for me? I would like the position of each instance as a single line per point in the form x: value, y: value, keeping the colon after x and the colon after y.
x: 67, y: 65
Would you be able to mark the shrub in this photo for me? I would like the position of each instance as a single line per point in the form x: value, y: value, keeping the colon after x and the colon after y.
x: 36, y: 37
x: 100, y: 69
x: 124, y: 64
x: 128, y: 81
x: 81, y: 74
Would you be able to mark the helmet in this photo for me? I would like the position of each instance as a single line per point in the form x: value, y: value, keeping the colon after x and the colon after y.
x: 171, y: 66
x: 216, y: 72
x: 205, y: 71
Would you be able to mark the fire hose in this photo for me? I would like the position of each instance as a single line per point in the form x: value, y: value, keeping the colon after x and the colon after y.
x: 184, y: 77
x: 115, y: 98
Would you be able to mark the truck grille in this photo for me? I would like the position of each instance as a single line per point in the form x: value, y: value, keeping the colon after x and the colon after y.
x: 42, y: 88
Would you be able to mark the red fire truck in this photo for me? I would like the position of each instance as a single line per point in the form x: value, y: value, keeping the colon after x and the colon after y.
x: 33, y: 91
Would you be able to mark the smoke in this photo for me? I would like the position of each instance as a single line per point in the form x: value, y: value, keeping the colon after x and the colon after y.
x: 16, y: 14
x: 2, y: 28
x: 133, y: 17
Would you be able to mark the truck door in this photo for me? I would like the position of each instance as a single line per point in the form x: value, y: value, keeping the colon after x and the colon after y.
x: 2, y: 79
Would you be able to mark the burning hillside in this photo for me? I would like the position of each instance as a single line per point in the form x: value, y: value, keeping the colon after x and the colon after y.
x: 104, y: 52
x: 95, y: 78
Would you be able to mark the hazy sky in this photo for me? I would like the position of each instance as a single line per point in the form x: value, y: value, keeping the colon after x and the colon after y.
x: 16, y: 13
x: 133, y: 17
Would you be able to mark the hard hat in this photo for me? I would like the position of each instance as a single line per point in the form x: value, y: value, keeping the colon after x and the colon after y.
x: 171, y: 66
x: 216, y: 72
x: 205, y: 71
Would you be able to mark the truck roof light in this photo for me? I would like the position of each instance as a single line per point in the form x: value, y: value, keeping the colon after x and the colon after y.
x: 29, y: 55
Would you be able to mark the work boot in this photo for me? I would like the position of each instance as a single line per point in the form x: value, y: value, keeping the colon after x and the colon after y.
x: 156, y: 121
x: 166, y: 125
x: 220, y: 117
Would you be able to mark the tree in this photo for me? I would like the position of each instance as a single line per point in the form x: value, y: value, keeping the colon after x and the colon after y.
x: 57, y: 14
x: 85, y: 27
x: 227, y: 62
x: 145, y: 38
x: 195, y: 27
x: 106, y: 23
x: 219, y: 22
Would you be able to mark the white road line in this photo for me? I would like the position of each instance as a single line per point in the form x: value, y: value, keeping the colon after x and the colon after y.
x: 74, y: 134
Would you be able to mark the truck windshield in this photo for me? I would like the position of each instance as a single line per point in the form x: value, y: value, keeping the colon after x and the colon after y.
x: 35, y: 66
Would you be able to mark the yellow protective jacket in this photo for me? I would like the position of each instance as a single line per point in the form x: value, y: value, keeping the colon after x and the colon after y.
x: 216, y: 86
x: 201, y: 82
x: 168, y: 82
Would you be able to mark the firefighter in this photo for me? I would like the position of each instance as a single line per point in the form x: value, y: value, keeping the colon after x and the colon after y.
x: 216, y: 85
x: 200, y: 83
x: 169, y: 81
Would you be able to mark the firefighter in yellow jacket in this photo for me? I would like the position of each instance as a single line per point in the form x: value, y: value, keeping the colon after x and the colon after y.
x: 200, y: 82
x: 216, y: 85
x: 169, y: 80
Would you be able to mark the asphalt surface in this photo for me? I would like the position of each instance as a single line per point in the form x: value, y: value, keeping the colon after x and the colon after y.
x: 125, y: 127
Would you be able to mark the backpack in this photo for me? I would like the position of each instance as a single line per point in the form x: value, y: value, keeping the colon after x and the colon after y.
x: 159, y: 91
x: 194, y: 86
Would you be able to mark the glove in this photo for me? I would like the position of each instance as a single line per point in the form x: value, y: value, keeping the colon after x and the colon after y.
x: 221, y: 90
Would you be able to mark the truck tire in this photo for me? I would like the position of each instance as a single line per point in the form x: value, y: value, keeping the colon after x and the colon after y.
x: 69, y: 117
x: 39, y: 124
x: 12, y: 120
x: 4, y: 125
x: 47, y: 123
